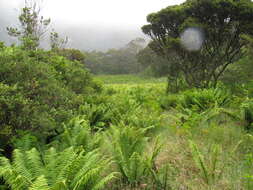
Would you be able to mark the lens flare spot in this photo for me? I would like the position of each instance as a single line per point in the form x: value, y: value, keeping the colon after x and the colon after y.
x: 192, y: 39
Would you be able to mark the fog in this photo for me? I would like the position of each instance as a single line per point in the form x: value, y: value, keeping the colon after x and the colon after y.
x: 89, y: 24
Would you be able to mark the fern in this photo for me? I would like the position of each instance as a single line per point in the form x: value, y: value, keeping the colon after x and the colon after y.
x: 40, y: 184
x: 77, y: 133
x: 128, y: 147
x: 52, y: 170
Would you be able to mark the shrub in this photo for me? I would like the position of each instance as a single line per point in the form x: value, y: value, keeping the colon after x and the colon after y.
x: 14, y: 112
x: 40, y: 90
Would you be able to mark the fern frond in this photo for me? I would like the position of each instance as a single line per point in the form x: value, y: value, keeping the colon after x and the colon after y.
x: 20, y: 164
x: 100, y: 184
x: 34, y: 161
x: 40, y: 184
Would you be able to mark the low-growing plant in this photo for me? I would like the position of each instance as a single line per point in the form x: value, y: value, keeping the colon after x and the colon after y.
x: 247, y: 176
x: 53, y: 170
x: 129, y: 148
x: 210, y: 170
x: 198, y: 100
x: 247, y: 111
x: 169, y: 101
x: 98, y: 116
x: 78, y: 134
x: 203, y: 99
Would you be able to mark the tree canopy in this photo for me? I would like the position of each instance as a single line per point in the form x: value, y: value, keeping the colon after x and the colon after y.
x: 221, y: 24
x: 33, y: 26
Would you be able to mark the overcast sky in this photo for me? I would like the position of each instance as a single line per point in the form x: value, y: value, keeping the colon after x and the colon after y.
x: 113, y: 22
x: 104, y: 12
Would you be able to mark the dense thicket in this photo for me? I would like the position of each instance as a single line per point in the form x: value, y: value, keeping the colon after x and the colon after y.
x: 39, y: 90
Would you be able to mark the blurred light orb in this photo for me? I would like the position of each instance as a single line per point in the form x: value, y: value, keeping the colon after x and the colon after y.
x: 192, y: 39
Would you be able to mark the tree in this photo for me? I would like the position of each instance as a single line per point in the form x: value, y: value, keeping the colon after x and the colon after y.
x: 71, y: 54
x: 135, y: 45
x: 215, y: 26
x: 242, y: 71
x: 32, y: 26
x: 150, y: 60
x: 56, y: 42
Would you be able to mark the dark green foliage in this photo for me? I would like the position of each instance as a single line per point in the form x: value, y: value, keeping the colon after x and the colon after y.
x: 40, y: 89
x: 14, y: 112
x: 99, y: 116
x: 247, y: 109
x: 25, y: 141
x: 222, y: 22
x: 71, y: 54
x: 241, y: 72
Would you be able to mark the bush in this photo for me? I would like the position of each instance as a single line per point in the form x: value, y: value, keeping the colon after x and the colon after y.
x: 14, y: 112
x: 39, y: 90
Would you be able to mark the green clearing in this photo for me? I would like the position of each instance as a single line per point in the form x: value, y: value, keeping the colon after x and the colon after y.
x: 204, y: 144
x: 129, y: 79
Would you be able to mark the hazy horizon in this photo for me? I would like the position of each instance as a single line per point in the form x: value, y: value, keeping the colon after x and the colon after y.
x: 90, y: 25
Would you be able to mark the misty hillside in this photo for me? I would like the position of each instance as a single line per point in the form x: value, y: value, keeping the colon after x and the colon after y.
x: 86, y: 36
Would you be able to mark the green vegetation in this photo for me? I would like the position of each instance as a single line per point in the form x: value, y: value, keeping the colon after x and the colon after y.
x: 129, y: 79
x: 62, y: 128
x: 219, y: 42
x: 116, y: 61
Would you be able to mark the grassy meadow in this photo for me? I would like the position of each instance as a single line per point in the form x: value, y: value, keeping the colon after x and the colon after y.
x: 201, y: 134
